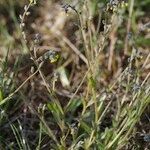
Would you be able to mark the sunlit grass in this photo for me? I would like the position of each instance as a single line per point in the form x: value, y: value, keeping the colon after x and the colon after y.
x: 92, y: 96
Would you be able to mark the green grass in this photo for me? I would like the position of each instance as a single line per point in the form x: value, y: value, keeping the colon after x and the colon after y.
x: 94, y: 96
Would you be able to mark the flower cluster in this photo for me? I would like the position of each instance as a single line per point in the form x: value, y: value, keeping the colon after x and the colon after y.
x: 113, y: 5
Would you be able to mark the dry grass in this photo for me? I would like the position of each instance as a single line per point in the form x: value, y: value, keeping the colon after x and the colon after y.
x: 74, y: 75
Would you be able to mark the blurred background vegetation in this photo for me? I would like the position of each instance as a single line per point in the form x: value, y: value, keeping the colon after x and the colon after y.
x: 96, y: 95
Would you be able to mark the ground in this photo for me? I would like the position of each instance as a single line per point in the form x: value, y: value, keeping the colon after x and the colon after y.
x: 74, y: 75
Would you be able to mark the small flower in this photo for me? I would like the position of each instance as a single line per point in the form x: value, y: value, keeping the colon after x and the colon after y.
x: 113, y: 5
x: 147, y: 138
x: 66, y: 7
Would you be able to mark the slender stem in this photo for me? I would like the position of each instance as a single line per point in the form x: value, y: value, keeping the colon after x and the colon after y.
x: 12, y: 94
x: 128, y: 26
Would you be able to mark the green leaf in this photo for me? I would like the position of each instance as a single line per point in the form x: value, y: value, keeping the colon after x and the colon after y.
x: 85, y: 127
x: 1, y: 95
x: 141, y: 41
x: 92, y: 82
x: 56, y: 110
x: 73, y: 105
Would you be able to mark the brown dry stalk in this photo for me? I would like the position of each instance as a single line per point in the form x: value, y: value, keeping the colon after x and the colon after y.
x: 113, y: 40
